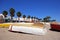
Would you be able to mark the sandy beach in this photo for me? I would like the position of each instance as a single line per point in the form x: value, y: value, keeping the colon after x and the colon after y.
x: 6, y: 35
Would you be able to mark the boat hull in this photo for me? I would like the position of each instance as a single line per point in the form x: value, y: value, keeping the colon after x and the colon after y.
x: 30, y: 30
x: 55, y: 26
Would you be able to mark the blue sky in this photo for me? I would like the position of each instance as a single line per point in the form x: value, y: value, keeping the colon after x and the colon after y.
x: 38, y: 8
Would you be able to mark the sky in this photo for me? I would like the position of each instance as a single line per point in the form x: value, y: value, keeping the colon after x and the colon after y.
x: 38, y: 8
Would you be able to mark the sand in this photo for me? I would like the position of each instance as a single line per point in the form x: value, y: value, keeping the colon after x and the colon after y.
x: 6, y: 35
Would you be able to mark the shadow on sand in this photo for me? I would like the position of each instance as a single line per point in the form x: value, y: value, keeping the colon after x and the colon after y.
x: 21, y: 32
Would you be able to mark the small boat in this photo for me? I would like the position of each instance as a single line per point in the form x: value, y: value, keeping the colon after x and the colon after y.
x: 31, y: 28
x: 55, y: 26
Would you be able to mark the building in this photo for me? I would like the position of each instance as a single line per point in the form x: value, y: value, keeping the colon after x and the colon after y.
x: 1, y: 18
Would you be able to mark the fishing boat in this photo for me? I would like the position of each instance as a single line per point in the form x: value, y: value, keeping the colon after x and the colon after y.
x: 55, y: 26
x: 31, y: 28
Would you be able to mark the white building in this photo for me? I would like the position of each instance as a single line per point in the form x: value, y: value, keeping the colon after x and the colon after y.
x: 1, y: 18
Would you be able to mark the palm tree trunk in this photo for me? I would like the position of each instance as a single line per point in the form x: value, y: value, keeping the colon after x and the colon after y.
x: 19, y: 19
x: 11, y: 19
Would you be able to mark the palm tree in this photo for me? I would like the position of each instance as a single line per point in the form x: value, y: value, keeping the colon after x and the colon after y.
x: 24, y: 16
x: 19, y: 15
x: 12, y: 11
x: 39, y: 20
x: 28, y: 18
x: 5, y: 13
x: 46, y: 19
x: 32, y: 19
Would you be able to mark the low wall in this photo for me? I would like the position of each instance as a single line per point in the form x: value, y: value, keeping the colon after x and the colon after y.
x: 6, y: 25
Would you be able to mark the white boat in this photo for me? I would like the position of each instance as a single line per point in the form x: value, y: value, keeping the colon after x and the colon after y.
x: 31, y: 28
